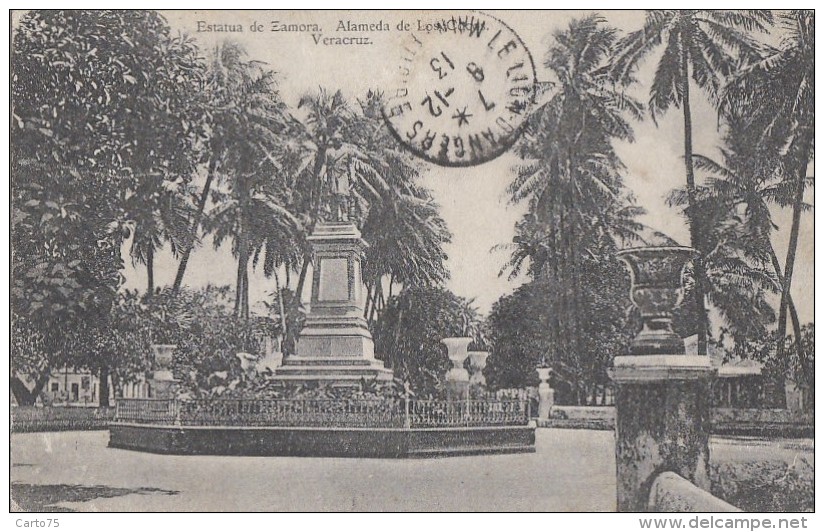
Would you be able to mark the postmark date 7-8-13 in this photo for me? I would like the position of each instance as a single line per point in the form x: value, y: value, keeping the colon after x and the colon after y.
x: 462, y: 90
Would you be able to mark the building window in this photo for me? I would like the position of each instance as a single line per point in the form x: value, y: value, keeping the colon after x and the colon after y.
x: 55, y: 386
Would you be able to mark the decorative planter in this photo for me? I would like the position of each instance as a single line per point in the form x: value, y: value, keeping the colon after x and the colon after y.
x: 162, y: 358
x: 477, y: 361
x: 656, y: 290
x: 543, y: 375
x: 457, y: 352
x: 546, y: 395
x: 162, y: 384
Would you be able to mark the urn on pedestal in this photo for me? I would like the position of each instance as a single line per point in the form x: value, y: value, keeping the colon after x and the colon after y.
x: 546, y: 395
x: 477, y: 362
x: 163, y: 383
x: 457, y: 378
x: 656, y: 291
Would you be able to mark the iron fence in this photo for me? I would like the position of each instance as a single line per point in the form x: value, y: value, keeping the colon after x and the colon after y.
x: 377, y: 413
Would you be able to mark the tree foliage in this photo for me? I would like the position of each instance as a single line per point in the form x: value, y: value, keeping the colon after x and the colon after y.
x: 409, y: 331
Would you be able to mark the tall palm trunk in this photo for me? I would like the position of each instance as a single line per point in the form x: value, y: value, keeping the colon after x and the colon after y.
x: 789, y: 264
x: 698, y: 263
x: 150, y: 271
x: 793, y: 312
x: 201, y: 206
x: 244, y: 309
x: 281, y: 306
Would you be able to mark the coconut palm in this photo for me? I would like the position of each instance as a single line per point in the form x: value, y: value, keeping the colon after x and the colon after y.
x: 571, y: 177
x: 702, y: 45
x: 252, y: 216
x: 745, y: 186
x: 247, y: 124
x: 406, y: 237
x: 159, y: 214
x: 776, y: 95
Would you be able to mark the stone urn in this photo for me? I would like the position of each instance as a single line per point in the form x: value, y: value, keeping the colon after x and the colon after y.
x: 656, y: 290
x: 477, y: 361
x: 546, y: 395
x: 162, y: 355
x: 163, y: 384
x: 456, y: 350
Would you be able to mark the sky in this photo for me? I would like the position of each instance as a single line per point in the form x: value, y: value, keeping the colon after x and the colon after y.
x: 472, y: 199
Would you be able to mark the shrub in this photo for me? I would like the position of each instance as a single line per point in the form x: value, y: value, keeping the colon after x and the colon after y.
x: 766, y: 486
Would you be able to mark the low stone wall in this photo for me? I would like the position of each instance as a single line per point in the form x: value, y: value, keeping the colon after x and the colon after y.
x: 673, y: 493
x: 762, y: 422
x: 739, y: 421
x: 580, y: 417
x: 316, y: 441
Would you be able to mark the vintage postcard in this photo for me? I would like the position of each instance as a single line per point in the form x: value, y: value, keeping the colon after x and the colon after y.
x: 415, y: 261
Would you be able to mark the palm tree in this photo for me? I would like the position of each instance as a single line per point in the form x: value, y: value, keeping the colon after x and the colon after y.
x: 160, y: 214
x: 776, y: 94
x: 572, y: 179
x: 700, y: 45
x: 745, y: 186
x: 738, y: 273
x: 406, y: 237
x: 244, y: 113
x: 253, y: 217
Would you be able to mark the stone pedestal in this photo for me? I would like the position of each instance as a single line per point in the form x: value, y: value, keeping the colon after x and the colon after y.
x: 335, y: 345
x: 663, y: 396
x: 546, y: 395
x: 662, y: 423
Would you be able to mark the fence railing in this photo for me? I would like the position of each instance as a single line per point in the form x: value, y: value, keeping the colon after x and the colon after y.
x: 290, y: 412
x: 471, y: 413
x: 31, y: 419
x: 324, y: 412
x: 155, y: 411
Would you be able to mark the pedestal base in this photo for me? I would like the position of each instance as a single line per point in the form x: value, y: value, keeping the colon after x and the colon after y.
x: 662, y: 406
x: 336, y: 371
x: 162, y: 388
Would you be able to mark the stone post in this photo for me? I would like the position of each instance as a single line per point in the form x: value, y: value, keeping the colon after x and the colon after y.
x: 663, y: 396
x: 546, y: 395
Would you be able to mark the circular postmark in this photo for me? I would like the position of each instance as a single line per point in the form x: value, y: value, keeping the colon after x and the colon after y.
x: 464, y: 85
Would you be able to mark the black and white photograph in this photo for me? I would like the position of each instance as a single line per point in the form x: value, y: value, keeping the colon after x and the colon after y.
x: 423, y: 261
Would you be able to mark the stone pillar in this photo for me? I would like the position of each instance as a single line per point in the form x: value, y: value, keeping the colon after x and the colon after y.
x: 663, y: 396
x: 457, y: 378
x: 546, y: 395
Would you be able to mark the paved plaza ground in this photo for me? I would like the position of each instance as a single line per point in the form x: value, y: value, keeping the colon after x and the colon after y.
x: 572, y: 470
